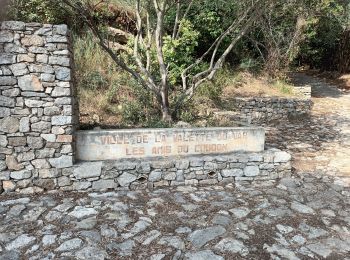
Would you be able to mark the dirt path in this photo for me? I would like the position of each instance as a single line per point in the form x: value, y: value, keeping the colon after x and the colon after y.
x: 321, y: 143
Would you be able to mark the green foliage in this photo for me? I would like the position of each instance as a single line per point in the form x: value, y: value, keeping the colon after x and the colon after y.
x: 42, y: 11
x: 179, y: 53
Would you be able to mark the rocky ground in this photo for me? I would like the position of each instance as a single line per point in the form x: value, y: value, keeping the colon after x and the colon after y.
x: 305, y: 216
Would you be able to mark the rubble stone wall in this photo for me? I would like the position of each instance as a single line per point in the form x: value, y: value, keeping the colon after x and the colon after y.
x: 36, y: 105
x: 197, y: 170
x: 266, y: 111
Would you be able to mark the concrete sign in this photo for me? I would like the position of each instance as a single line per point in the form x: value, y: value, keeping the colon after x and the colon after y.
x: 143, y: 143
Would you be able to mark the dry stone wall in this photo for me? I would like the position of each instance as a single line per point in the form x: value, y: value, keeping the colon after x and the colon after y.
x: 265, y: 110
x: 162, y: 172
x: 36, y: 105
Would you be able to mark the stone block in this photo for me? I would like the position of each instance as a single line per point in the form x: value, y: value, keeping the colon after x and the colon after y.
x: 17, y: 141
x: 25, y: 58
x: 9, y: 125
x: 59, y: 60
x: 62, y: 162
x: 6, y: 36
x: 24, y: 126
x: 41, y: 164
x: 64, y: 139
x: 13, y: 92
x: 57, y: 39
x: 8, y: 186
x: 103, y: 185
x: 14, y: 48
x: 125, y: 179
x: 281, y: 157
x: 41, y: 127
x: 6, y: 102
x: 6, y: 58
x: 13, y: 25
x: 12, y: 163
x: 30, y: 83
x: 251, y: 171
x: 170, y: 176
x: 64, y: 181
x: 3, y: 141
x: 60, y: 92
x: 61, y: 120
x: 19, y: 69
x: 7, y: 81
x: 182, y: 164
x: 231, y: 173
x: 88, y: 170
x: 35, y: 142
x: 155, y: 176
x: 49, y: 137
x: 21, y: 175
x: 63, y: 73
x: 60, y: 29
x: 5, y: 111
x: 48, y: 173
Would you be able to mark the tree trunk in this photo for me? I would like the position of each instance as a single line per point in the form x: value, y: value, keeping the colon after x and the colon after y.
x: 166, y: 115
x: 344, y: 53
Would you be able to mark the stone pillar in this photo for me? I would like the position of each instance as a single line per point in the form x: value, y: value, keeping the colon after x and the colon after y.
x: 36, y: 106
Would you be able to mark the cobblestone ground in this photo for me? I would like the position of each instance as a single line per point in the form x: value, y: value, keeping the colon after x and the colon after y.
x: 305, y: 216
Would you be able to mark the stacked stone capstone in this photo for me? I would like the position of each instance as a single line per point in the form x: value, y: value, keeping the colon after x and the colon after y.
x: 36, y: 106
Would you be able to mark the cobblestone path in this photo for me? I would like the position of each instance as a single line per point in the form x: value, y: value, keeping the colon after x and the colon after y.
x: 305, y: 216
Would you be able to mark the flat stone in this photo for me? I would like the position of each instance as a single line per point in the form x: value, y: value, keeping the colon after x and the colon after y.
x: 125, y: 248
x: 88, y: 170
x: 49, y: 240
x: 91, y: 253
x: 232, y: 246
x: 240, y: 212
x: 320, y: 249
x: 61, y: 29
x: 202, y: 255
x: 82, y: 212
x: 173, y: 241
x: 20, y: 242
x: 301, y: 208
x: 125, y: 179
x: 69, y: 245
x: 62, y: 162
x: 200, y: 237
x: 30, y: 83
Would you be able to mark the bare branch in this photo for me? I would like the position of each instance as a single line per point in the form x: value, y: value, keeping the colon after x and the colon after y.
x: 183, y: 18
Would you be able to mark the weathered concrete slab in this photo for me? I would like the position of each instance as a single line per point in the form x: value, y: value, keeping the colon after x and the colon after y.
x: 144, y: 143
